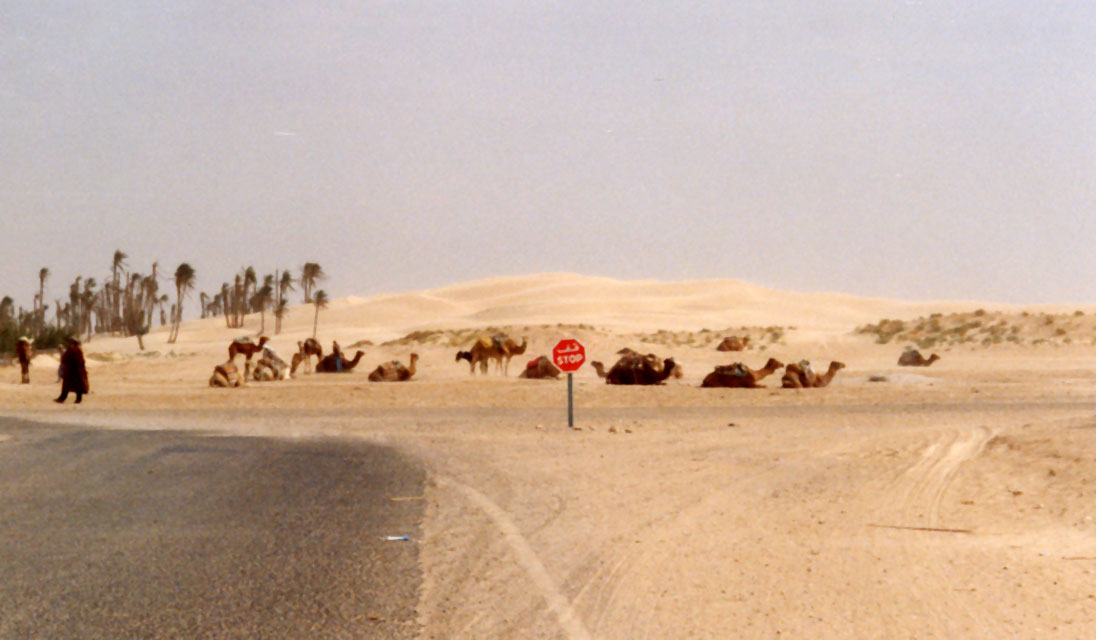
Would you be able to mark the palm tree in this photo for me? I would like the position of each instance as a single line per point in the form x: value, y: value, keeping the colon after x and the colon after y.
x: 280, y: 312
x: 263, y: 297
x: 7, y: 306
x: 87, y: 300
x: 226, y: 304
x: 117, y: 265
x: 42, y: 275
x: 184, y: 282
x: 251, y: 282
x: 320, y: 300
x: 310, y: 274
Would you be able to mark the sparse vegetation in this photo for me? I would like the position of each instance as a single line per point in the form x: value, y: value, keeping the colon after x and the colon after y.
x: 980, y: 328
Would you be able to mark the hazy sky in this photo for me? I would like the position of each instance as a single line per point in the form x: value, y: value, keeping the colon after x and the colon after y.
x: 901, y: 149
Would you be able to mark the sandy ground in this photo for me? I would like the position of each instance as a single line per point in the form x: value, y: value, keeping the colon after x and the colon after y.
x: 949, y: 502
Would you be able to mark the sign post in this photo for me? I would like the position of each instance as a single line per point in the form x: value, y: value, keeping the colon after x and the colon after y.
x: 569, y: 355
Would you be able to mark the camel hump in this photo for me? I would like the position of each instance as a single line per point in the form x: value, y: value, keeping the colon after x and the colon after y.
x: 242, y: 340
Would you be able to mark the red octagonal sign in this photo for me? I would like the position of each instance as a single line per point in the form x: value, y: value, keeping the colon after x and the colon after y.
x: 569, y: 355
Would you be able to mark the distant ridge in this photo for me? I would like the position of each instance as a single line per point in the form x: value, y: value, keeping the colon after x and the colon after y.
x: 569, y: 298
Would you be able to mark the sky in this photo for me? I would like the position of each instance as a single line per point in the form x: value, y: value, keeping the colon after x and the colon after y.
x: 910, y: 149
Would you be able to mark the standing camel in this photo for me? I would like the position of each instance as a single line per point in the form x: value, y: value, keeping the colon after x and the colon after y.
x: 248, y: 348
x: 508, y: 348
x: 483, y: 350
x: 305, y: 351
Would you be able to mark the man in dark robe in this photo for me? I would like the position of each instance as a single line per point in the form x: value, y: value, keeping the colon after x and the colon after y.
x: 75, y: 374
x: 23, y: 353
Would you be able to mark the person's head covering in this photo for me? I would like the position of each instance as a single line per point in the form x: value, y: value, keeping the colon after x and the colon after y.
x: 72, y: 340
x: 25, y: 339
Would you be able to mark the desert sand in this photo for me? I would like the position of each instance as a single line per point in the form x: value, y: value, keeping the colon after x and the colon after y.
x: 954, y: 501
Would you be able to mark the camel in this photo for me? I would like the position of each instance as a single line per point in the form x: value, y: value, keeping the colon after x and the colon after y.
x: 913, y: 358
x: 24, y: 351
x: 394, y: 371
x: 509, y: 349
x: 634, y: 369
x: 270, y: 367
x: 226, y: 375
x: 497, y: 347
x: 305, y: 351
x: 335, y: 363
x: 540, y: 368
x: 677, y: 371
x: 733, y: 343
x: 248, y: 348
x: 800, y: 375
x: 740, y: 376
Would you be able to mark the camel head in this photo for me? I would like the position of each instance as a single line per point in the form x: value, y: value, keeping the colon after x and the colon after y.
x: 836, y: 366
x: 464, y: 355
x: 933, y: 358
x: 263, y: 340
x: 773, y: 364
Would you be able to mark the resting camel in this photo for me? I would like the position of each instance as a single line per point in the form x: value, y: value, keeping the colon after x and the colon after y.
x: 226, y: 375
x: 248, y: 348
x: 305, y: 351
x: 335, y: 363
x: 740, y: 376
x: 677, y: 371
x: 913, y: 358
x: 394, y: 371
x: 635, y: 369
x: 540, y: 368
x: 270, y: 367
x: 24, y: 351
x: 801, y: 375
x: 733, y: 343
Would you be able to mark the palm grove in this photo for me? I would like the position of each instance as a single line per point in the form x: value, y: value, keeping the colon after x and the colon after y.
x: 129, y: 303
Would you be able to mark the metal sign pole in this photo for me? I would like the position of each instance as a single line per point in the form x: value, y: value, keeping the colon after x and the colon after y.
x: 570, y: 401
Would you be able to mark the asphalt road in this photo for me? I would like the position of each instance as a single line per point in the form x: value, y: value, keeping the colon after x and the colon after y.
x: 160, y: 534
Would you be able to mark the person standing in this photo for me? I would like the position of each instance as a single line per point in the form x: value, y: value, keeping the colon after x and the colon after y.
x: 74, y: 375
x: 23, y: 353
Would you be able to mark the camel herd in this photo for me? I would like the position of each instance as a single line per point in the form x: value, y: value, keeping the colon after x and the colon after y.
x: 271, y: 366
x: 632, y: 368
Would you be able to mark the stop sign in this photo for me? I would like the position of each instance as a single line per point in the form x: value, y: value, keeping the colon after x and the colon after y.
x: 569, y: 355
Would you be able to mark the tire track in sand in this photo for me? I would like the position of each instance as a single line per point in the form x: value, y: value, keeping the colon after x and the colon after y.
x: 920, y: 494
x: 557, y: 603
